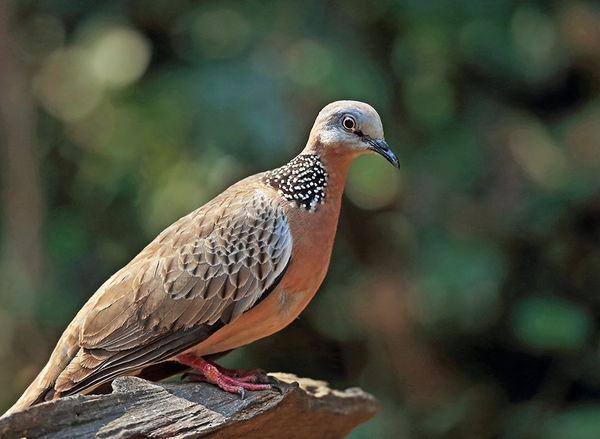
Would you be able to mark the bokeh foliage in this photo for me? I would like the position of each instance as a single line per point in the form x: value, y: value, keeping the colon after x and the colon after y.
x: 463, y: 290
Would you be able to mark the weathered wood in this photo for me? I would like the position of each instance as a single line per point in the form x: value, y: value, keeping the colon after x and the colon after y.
x: 137, y: 408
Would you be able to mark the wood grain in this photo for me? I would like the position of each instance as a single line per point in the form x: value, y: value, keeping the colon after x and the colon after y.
x: 304, y: 408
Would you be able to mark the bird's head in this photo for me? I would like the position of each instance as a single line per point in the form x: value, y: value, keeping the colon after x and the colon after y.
x: 351, y: 128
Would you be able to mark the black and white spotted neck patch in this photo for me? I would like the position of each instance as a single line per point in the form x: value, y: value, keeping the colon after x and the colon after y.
x: 301, y: 182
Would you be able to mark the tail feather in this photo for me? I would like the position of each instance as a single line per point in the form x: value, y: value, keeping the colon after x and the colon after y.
x: 42, y: 387
x: 36, y: 392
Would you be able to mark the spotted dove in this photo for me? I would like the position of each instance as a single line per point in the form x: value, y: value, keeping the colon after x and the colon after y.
x: 237, y: 269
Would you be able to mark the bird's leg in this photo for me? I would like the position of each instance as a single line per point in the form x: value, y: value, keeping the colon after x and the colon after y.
x: 248, y: 376
x: 257, y: 376
x: 211, y: 373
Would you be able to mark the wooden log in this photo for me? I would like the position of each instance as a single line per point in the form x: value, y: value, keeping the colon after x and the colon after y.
x: 303, y: 409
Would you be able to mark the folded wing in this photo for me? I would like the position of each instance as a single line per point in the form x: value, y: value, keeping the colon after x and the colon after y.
x: 200, y: 274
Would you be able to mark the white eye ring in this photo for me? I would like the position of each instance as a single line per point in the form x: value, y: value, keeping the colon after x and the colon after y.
x: 349, y: 123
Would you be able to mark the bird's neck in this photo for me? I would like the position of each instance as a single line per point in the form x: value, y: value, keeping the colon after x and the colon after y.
x: 312, y: 178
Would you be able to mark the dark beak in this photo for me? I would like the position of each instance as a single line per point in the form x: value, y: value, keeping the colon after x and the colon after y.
x: 380, y: 147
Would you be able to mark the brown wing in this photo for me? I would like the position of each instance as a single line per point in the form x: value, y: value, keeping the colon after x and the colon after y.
x: 201, y: 273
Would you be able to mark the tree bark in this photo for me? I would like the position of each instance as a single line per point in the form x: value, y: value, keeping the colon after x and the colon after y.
x: 303, y: 409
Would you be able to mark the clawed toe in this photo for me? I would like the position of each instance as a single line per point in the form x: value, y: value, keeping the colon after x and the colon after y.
x: 230, y: 380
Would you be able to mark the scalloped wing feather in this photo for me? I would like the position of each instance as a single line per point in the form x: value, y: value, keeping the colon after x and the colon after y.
x: 201, y: 273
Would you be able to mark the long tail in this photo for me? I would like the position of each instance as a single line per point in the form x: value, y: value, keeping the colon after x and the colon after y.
x: 42, y: 387
x: 35, y: 393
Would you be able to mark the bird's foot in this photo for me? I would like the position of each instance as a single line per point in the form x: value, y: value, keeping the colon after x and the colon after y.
x: 220, y: 376
x: 256, y: 376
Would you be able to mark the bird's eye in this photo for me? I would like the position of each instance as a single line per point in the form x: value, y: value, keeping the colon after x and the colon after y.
x: 349, y: 123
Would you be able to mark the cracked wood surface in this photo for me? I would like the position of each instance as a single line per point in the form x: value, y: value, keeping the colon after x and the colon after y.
x: 136, y: 408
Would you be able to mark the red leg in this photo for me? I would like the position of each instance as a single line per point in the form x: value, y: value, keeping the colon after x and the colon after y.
x: 247, y: 376
x: 211, y: 373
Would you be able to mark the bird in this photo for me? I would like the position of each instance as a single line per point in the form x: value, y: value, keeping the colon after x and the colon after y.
x: 241, y: 267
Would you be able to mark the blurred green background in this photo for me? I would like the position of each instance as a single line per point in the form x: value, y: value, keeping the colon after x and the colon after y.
x: 463, y: 290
